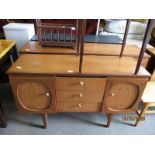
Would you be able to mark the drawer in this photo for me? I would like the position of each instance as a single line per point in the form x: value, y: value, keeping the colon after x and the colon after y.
x: 79, y: 107
x: 86, y: 84
x: 79, y: 96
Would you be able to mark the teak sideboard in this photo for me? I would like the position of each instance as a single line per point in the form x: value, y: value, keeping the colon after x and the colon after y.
x: 105, y: 85
x: 51, y: 83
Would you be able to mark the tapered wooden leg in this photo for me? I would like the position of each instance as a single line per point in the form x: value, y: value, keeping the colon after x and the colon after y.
x: 109, y: 116
x: 3, y: 122
x: 144, y: 108
x: 45, y: 121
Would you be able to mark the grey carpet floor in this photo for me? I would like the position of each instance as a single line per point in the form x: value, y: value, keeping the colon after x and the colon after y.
x: 68, y: 123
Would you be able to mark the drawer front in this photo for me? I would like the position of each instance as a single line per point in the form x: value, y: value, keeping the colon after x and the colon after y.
x: 85, y: 84
x: 79, y: 107
x: 79, y: 96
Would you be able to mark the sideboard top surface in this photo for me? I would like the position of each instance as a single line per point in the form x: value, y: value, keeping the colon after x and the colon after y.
x: 91, y: 48
x: 69, y: 64
x: 34, y: 47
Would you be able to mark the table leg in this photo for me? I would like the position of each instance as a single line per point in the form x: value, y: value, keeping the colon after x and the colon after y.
x: 109, y: 117
x: 16, y: 53
x: 45, y: 121
x: 3, y: 120
x: 13, y: 55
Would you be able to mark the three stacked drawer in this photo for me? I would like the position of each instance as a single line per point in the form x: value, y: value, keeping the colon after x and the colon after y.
x: 75, y: 94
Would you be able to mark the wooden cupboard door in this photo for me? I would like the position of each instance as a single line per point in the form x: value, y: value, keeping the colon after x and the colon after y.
x: 34, y: 93
x: 123, y: 95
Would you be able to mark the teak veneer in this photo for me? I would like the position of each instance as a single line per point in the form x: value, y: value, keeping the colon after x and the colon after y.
x: 44, y: 84
x: 33, y: 47
x: 69, y: 64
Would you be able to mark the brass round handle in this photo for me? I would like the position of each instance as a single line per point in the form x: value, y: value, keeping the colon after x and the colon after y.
x: 47, y: 94
x: 80, y: 95
x: 81, y: 83
x: 112, y: 94
x: 79, y: 105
